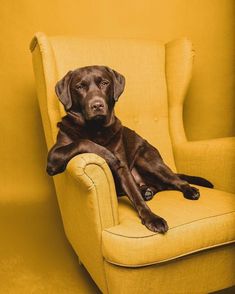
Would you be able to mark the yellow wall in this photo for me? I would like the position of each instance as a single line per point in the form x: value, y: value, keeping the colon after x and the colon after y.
x: 208, y: 23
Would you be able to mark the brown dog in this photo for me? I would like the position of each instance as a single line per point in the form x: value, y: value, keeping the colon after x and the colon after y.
x: 89, y: 95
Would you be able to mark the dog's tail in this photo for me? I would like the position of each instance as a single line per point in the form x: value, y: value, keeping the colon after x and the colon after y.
x: 196, y: 180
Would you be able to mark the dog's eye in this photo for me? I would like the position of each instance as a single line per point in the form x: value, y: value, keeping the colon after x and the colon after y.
x: 104, y: 83
x: 80, y: 86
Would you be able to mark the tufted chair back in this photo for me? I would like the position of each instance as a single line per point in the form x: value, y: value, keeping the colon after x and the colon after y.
x: 144, y: 104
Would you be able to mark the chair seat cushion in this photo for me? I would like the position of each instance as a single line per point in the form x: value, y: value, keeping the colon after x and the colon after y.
x: 193, y: 226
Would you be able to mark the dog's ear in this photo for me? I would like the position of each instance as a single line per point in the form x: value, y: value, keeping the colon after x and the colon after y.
x: 62, y: 90
x: 118, y: 83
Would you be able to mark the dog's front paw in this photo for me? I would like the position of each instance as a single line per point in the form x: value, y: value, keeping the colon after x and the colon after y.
x: 191, y: 193
x: 155, y: 223
x: 53, y: 170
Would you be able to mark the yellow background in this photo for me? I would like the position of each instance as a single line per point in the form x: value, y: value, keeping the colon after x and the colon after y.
x: 208, y: 23
x: 32, y: 240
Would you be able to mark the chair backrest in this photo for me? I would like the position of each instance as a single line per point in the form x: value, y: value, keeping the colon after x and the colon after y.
x: 143, y: 106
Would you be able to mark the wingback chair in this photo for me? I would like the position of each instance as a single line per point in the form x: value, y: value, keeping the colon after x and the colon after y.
x: 122, y: 256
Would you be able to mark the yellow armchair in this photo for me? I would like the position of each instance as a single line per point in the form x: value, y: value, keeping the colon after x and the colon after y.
x: 122, y: 256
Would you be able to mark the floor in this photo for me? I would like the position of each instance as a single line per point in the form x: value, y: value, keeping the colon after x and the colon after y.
x: 35, y: 256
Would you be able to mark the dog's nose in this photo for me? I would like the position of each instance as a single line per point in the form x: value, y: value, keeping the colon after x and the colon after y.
x: 97, y: 105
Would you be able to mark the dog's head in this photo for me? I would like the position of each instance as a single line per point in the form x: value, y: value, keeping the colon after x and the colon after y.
x: 91, y: 91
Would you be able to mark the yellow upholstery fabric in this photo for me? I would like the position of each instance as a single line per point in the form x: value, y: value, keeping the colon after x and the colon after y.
x: 178, y: 62
x: 193, y: 226
x: 148, y: 103
x: 157, y: 76
x: 86, y: 211
x: 213, y: 159
x: 200, y: 273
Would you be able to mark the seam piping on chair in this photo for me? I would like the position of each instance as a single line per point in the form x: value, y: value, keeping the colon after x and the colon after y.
x: 111, y: 202
x: 172, y: 258
x: 101, y: 165
x: 101, y: 223
x: 76, y: 176
x: 46, y: 86
x: 41, y: 46
x: 155, y: 234
x: 97, y: 198
x: 102, y: 168
x: 168, y: 108
x: 185, y: 81
x: 94, y: 187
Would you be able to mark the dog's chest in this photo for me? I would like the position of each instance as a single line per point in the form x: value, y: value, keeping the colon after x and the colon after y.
x: 99, y: 137
x: 105, y: 137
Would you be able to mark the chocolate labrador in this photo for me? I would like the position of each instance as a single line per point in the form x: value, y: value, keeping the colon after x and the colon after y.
x: 89, y: 95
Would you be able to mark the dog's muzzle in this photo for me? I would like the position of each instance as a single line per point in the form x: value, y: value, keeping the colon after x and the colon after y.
x: 97, y: 105
x: 97, y: 108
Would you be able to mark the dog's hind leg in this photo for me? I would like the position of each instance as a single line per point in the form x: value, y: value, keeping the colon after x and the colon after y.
x: 147, y: 191
x: 151, y: 167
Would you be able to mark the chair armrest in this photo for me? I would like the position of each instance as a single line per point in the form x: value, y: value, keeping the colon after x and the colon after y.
x: 92, y: 172
x: 213, y: 159
x: 88, y: 204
